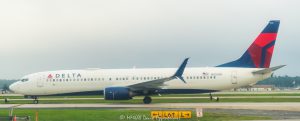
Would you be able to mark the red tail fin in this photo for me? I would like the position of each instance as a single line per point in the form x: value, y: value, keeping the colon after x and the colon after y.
x: 260, y: 52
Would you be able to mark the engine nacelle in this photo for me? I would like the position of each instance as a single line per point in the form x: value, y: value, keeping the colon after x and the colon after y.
x: 117, y: 93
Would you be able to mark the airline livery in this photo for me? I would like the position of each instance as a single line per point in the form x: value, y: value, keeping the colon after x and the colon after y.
x: 124, y: 84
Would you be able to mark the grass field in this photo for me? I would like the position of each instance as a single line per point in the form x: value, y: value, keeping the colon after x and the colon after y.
x: 113, y: 115
x: 95, y: 114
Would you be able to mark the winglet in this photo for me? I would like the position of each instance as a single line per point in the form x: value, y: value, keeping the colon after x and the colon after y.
x: 268, y: 70
x: 180, y: 70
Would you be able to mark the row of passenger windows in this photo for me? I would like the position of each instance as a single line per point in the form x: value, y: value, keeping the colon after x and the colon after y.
x: 126, y: 78
x: 201, y: 77
x: 77, y: 79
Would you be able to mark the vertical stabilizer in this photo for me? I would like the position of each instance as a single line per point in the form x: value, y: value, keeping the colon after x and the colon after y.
x: 260, y: 52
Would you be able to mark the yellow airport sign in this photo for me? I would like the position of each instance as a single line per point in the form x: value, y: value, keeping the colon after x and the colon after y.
x: 185, y: 114
x: 171, y: 114
x: 156, y: 114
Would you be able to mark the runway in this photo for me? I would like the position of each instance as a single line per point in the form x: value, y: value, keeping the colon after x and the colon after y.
x: 221, y: 97
x: 255, y: 106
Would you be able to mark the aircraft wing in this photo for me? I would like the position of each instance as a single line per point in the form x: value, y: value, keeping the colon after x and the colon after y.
x: 153, y: 84
x: 156, y: 84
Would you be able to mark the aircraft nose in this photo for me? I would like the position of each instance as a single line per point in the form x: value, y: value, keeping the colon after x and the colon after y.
x: 12, y: 87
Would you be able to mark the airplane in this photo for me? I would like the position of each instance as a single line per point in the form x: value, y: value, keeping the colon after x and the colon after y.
x: 124, y: 84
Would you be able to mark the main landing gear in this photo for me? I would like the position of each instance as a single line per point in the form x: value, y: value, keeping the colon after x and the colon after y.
x: 211, y: 98
x: 35, y: 101
x: 147, y: 100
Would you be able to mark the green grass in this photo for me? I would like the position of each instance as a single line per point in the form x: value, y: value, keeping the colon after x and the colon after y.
x: 112, y: 115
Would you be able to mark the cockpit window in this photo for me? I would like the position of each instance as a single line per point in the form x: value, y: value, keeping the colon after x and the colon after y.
x: 24, y: 80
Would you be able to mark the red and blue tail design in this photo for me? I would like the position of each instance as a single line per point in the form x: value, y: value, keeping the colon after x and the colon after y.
x: 259, y: 54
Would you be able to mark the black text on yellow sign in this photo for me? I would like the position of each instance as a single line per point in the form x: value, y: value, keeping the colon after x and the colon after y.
x: 170, y: 114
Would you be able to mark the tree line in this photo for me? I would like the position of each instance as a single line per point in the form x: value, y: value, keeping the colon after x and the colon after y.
x: 282, y: 81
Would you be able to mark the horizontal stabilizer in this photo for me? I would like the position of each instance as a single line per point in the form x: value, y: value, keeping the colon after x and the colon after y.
x: 268, y: 70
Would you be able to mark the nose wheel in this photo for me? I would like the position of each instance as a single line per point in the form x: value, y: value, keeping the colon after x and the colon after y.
x: 147, y: 100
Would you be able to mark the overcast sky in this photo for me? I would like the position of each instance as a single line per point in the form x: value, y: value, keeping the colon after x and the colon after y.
x: 41, y: 35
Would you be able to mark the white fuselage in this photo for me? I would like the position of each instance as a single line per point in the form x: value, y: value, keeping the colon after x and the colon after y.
x: 70, y: 81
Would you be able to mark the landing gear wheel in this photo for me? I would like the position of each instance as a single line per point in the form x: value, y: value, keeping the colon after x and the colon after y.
x: 36, y: 102
x: 5, y: 100
x: 147, y: 100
